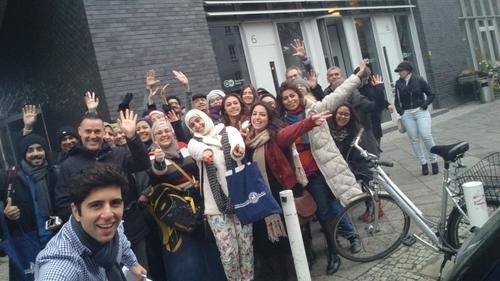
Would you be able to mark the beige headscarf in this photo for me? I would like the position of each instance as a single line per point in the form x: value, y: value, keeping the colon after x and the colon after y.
x: 172, y: 151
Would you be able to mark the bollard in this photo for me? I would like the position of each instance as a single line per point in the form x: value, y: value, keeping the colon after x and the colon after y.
x: 477, y: 210
x: 295, y: 236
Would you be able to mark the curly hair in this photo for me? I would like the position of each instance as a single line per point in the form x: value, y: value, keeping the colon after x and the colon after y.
x: 274, y: 122
x: 227, y: 121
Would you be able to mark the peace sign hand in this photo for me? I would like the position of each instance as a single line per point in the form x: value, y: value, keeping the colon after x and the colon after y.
x: 319, y: 118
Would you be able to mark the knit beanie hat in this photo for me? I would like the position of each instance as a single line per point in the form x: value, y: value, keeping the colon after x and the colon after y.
x: 31, y: 139
x: 214, y: 93
x: 65, y: 131
x: 301, y: 81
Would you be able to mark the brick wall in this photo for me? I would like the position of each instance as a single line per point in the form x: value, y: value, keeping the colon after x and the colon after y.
x: 131, y: 37
x: 443, y: 46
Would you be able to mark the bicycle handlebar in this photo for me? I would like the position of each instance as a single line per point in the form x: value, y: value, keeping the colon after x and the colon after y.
x: 369, y: 157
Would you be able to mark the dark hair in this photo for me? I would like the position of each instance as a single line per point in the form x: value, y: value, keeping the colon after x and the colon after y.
x: 274, y: 122
x: 173, y: 98
x: 353, y: 126
x: 279, y: 97
x: 95, y: 177
x: 227, y: 121
x: 90, y: 116
x: 247, y: 109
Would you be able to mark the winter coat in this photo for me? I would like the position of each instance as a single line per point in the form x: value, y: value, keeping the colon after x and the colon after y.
x: 326, y: 154
x: 278, y: 162
x: 416, y: 94
x: 130, y: 159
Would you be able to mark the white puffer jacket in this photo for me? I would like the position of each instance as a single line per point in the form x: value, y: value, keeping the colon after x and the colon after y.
x: 326, y: 154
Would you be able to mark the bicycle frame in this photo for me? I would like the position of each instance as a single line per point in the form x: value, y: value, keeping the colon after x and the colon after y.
x: 438, y: 240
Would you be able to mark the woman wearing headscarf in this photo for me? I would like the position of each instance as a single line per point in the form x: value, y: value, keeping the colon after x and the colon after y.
x: 269, y: 145
x: 214, y: 99
x: 233, y: 239
x: 184, y: 254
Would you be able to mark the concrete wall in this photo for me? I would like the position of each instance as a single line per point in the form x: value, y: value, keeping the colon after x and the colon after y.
x: 131, y: 37
x: 443, y: 46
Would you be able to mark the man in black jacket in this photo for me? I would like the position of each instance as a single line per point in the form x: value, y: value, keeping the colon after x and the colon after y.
x: 29, y: 200
x: 130, y: 159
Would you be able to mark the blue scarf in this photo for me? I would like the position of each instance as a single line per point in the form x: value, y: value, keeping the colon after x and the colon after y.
x: 293, y: 117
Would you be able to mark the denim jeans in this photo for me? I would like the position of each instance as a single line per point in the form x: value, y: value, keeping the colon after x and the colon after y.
x: 418, y: 127
x: 328, y: 206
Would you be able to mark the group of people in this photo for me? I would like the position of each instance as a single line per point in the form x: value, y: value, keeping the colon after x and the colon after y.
x: 300, y: 140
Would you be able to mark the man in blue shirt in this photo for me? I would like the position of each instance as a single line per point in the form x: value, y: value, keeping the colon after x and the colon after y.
x: 91, y: 246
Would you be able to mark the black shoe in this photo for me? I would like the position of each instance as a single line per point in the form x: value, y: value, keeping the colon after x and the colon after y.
x: 435, y: 168
x: 425, y: 169
x: 333, y: 264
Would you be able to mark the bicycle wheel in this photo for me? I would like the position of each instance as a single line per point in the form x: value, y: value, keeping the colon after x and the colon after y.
x: 376, y: 241
x: 458, y: 227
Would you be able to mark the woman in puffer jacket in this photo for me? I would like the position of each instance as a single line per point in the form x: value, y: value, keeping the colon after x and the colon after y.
x: 330, y: 180
x: 233, y: 239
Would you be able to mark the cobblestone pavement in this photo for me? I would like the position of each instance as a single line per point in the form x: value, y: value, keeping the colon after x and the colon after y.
x: 478, y: 124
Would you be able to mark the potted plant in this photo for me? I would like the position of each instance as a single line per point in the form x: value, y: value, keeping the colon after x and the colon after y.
x: 484, y: 75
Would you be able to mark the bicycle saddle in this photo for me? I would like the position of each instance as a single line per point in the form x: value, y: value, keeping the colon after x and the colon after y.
x: 450, y: 152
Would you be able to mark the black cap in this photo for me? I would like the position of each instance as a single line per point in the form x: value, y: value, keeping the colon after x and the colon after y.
x: 31, y: 139
x: 197, y: 96
x: 404, y: 66
x: 65, y: 131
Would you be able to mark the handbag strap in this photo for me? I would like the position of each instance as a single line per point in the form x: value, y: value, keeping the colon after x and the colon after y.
x: 184, y: 173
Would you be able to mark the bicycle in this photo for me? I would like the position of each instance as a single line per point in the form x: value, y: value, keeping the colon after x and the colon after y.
x: 381, y: 215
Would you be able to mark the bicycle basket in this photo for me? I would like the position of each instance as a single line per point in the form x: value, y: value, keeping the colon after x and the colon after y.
x: 486, y: 171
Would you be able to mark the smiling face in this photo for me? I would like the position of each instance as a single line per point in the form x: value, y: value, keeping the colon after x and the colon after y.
x: 35, y: 155
x: 91, y: 133
x: 259, y: 119
x: 143, y: 130
x: 201, y: 104
x: 343, y: 116
x: 247, y: 96
x: 290, y: 100
x: 215, y: 101
x: 175, y: 105
x: 120, y: 138
x: 100, y: 213
x: 232, y: 107
x: 333, y: 75
x: 109, y: 136
x: 68, y: 142
x: 197, y: 125
x: 163, y: 135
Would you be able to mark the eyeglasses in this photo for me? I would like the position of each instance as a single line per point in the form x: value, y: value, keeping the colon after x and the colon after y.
x: 341, y: 114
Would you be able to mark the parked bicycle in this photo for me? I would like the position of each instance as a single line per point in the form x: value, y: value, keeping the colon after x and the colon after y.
x: 387, y: 221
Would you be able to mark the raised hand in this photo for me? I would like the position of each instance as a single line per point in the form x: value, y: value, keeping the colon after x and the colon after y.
x: 312, y: 78
x: 159, y: 155
x: 207, y: 156
x: 151, y: 81
x: 238, y: 151
x: 29, y: 116
x: 127, y: 122
x: 377, y: 80
x: 91, y: 101
x: 319, y: 118
x: 171, y: 116
x: 163, y: 93
x: 364, y: 70
x: 391, y: 108
x: 182, y: 79
x: 299, y: 49
x: 10, y: 211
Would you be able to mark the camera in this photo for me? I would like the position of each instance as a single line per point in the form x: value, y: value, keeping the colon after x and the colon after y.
x: 52, y: 222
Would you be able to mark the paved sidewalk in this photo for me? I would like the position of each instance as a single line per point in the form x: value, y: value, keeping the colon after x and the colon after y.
x: 479, y: 125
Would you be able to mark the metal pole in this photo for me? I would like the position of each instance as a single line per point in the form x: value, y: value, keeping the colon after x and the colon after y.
x: 295, y: 236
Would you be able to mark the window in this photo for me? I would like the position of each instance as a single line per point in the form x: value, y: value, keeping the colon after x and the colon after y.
x: 404, y: 35
x: 288, y: 31
x: 367, y: 43
x: 229, y: 55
